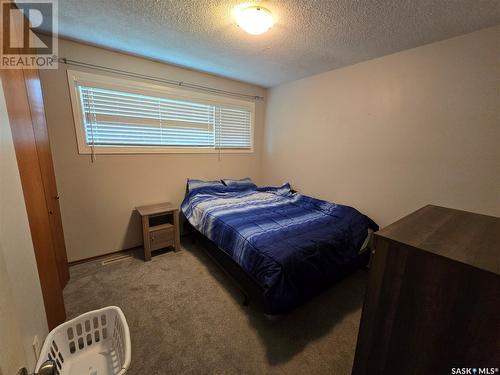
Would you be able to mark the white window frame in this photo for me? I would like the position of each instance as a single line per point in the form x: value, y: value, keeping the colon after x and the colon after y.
x: 140, y: 87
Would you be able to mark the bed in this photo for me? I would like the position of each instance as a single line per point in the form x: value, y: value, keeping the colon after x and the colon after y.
x: 280, y: 246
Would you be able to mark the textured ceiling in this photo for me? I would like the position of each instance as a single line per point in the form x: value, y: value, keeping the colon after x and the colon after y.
x: 309, y: 37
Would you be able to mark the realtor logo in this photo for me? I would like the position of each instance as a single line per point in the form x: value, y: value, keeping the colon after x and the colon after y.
x: 29, y: 34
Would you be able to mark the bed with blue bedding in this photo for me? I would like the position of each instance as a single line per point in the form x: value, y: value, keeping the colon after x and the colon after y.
x: 291, y: 245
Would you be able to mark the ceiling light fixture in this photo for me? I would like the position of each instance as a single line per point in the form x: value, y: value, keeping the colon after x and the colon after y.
x: 254, y: 20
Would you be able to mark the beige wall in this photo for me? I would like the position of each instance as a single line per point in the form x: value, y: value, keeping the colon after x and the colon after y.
x: 392, y: 134
x: 97, y: 200
x: 22, y: 313
x: 386, y: 136
x: 12, y: 355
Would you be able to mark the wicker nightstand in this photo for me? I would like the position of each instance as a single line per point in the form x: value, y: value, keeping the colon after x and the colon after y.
x: 160, y: 227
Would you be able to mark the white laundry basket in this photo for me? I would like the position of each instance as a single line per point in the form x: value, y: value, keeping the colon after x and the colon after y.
x: 95, y: 343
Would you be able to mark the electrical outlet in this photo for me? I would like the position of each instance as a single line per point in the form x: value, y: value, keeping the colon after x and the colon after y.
x: 36, y: 347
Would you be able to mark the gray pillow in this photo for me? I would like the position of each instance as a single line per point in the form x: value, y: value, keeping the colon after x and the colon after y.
x: 195, y: 184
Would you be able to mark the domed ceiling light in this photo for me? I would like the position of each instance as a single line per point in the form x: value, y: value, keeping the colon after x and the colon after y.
x: 254, y: 20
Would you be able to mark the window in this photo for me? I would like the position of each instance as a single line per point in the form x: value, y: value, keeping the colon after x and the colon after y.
x: 122, y: 116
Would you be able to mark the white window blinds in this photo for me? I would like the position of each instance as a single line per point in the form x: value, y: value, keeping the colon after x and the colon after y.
x: 120, y: 118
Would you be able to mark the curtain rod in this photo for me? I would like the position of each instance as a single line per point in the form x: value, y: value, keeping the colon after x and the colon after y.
x: 161, y: 80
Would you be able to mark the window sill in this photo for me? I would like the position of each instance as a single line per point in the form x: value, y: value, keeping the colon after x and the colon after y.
x: 158, y: 150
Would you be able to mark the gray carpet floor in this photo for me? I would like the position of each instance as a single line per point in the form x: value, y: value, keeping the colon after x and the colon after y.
x: 185, y: 317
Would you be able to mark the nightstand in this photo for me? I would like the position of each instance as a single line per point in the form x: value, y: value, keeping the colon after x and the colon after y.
x: 160, y: 227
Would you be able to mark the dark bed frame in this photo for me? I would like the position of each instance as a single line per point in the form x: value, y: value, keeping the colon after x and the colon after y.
x: 247, y: 285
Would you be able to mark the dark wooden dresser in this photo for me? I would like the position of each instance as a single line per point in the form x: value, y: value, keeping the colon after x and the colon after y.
x: 433, y: 298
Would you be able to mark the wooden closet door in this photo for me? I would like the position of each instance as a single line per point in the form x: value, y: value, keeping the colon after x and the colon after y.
x: 24, y: 102
x: 41, y: 134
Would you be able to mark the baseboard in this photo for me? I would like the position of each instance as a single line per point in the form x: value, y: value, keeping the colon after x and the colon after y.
x: 103, y: 256
x: 107, y: 255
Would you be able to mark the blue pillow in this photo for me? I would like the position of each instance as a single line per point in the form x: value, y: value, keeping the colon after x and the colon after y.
x: 195, y: 184
x: 244, y: 183
x: 281, y: 190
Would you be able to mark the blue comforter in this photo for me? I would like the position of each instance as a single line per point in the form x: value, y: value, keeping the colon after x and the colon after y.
x: 292, y: 245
